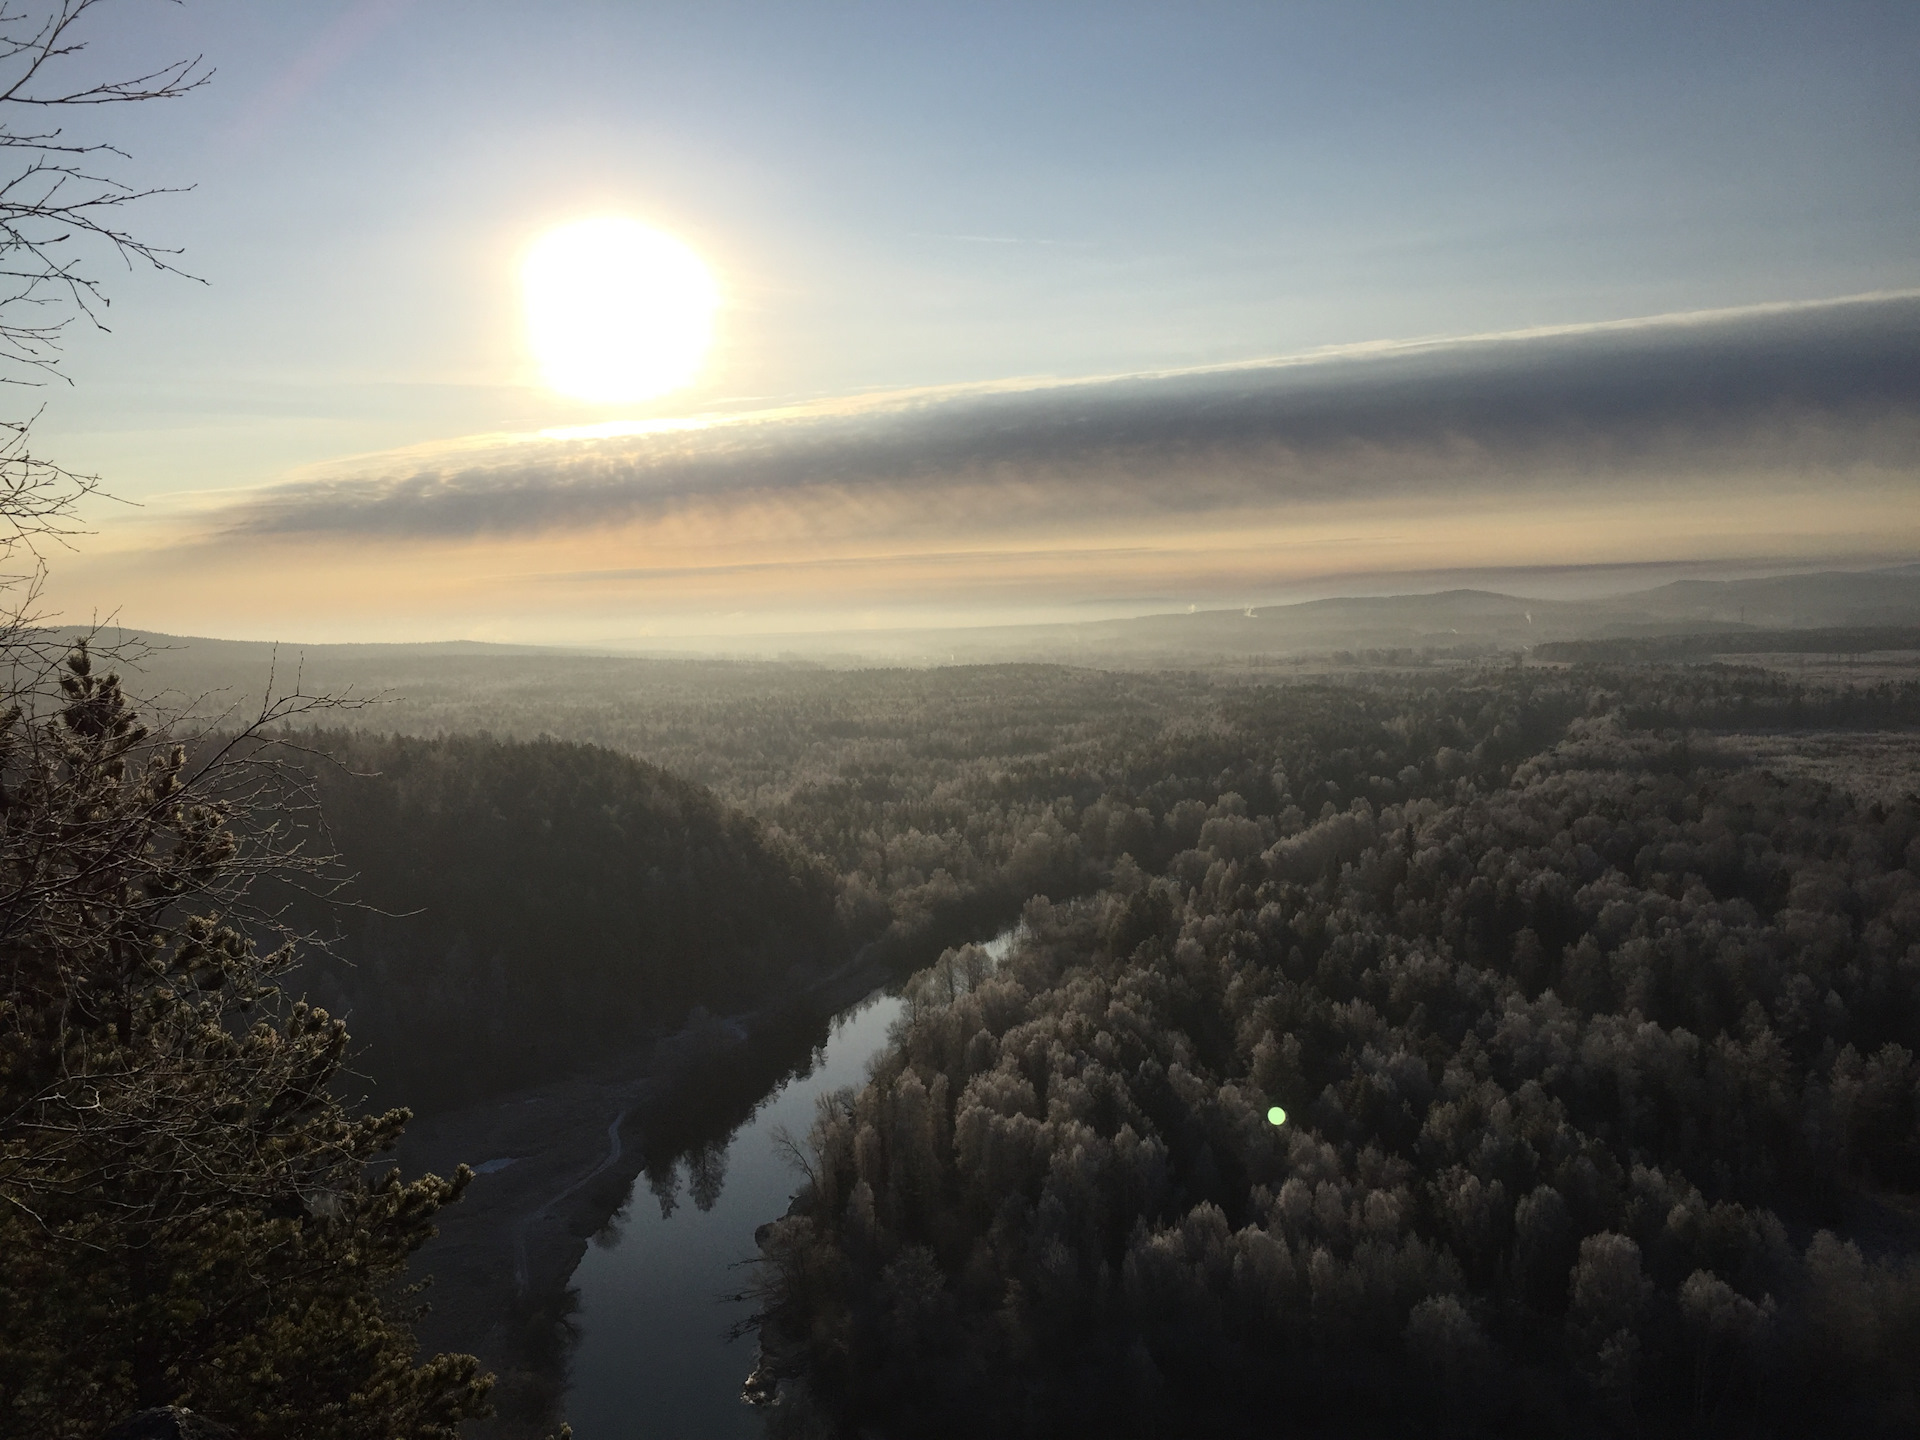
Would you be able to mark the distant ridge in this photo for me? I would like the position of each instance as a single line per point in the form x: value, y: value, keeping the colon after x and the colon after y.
x: 1455, y: 622
x: 109, y: 635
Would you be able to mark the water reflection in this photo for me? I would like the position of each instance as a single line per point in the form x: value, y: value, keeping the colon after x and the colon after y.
x: 653, y: 1361
x: 706, y: 1169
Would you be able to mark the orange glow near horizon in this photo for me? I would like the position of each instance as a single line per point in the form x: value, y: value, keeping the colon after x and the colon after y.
x: 828, y: 559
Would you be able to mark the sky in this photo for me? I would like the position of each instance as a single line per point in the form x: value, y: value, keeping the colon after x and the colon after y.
x: 1031, y: 311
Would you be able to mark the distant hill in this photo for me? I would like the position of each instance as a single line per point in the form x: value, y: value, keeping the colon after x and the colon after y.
x: 1447, y: 622
x: 1831, y: 598
x: 1441, y: 624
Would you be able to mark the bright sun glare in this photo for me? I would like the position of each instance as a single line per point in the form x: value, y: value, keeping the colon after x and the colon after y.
x: 617, y: 311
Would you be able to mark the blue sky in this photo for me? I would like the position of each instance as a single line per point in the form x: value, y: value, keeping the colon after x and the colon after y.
x: 901, y: 196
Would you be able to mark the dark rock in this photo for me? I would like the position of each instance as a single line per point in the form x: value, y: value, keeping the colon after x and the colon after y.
x: 170, y: 1422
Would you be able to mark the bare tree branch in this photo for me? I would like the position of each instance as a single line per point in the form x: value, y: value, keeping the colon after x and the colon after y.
x: 61, y: 207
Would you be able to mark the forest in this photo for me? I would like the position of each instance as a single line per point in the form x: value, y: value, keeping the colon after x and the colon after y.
x: 1593, y: 1033
x: 1595, y: 1046
x: 1592, y: 1023
x: 496, y: 905
x: 1732, y: 640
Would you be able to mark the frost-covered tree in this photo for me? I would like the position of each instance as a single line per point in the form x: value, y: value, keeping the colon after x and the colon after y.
x: 187, y: 1213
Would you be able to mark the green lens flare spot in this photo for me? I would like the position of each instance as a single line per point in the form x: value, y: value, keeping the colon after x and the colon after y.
x: 1276, y: 1116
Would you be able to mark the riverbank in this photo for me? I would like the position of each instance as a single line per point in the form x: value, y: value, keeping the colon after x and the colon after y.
x: 556, y: 1161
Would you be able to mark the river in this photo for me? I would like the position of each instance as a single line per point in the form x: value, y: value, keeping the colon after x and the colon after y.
x: 653, y: 1361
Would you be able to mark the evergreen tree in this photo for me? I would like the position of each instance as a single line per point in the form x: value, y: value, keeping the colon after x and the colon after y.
x: 187, y: 1212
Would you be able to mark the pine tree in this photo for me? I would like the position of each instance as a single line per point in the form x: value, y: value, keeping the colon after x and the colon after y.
x: 188, y: 1214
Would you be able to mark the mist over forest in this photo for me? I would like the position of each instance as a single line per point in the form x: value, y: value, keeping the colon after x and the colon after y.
x: 955, y: 722
x: 1584, y: 976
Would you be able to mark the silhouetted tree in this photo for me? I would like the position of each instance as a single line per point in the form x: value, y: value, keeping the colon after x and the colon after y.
x: 186, y: 1210
x: 60, y: 207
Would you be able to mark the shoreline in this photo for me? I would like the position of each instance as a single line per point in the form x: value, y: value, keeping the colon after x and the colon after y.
x: 502, y: 1260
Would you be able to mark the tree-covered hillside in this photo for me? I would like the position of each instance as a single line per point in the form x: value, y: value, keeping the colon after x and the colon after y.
x: 1596, y: 1051
x: 519, y: 907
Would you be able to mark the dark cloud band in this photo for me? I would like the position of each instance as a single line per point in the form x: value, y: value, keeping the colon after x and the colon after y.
x: 1827, y: 385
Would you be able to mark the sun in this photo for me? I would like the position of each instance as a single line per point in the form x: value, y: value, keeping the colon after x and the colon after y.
x: 616, y: 310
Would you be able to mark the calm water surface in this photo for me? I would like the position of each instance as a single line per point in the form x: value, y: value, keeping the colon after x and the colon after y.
x: 653, y: 1362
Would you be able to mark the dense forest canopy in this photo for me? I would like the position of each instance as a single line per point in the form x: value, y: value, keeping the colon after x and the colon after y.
x: 938, y: 801
x: 1596, y: 1046
x: 519, y: 908
x: 1854, y: 640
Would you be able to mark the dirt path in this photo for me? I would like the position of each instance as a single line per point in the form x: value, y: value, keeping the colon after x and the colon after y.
x: 614, y: 1151
x: 521, y: 1226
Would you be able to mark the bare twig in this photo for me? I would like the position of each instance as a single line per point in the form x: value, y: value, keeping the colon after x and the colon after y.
x: 60, y: 205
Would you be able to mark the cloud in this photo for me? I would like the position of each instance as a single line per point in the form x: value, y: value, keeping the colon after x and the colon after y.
x: 1770, y: 438
x: 1705, y: 403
